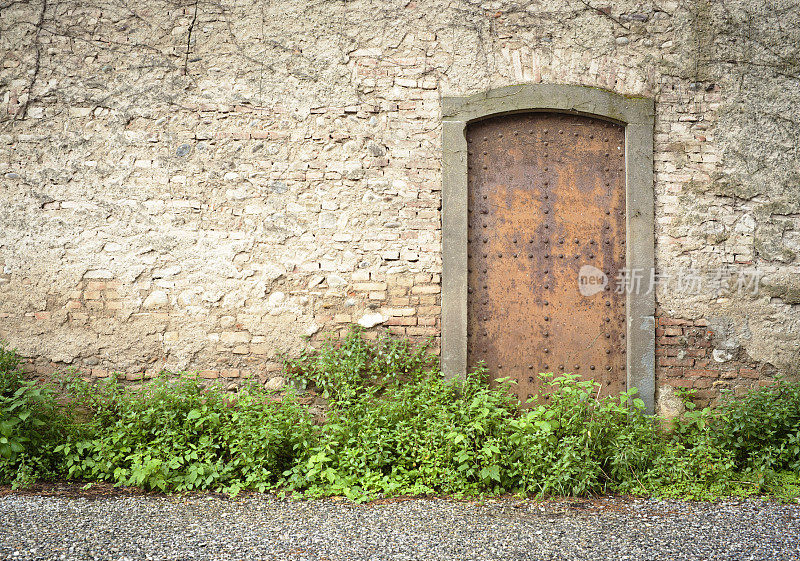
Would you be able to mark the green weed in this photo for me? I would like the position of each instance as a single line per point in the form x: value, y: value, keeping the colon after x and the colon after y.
x: 392, y: 425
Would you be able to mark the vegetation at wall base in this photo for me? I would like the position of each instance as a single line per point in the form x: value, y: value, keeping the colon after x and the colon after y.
x: 393, y: 426
x: 32, y: 423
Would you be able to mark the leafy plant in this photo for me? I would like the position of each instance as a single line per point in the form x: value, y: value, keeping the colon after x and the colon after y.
x: 31, y: 424
x: 342, y: 369
x: 762, y: 428
x: 179, y: 435
x: 393, y: 425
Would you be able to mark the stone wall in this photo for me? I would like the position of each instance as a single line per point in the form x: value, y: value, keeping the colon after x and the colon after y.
x: 204, y: 185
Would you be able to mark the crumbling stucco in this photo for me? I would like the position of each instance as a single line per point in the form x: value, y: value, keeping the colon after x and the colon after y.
x: 202, y: 185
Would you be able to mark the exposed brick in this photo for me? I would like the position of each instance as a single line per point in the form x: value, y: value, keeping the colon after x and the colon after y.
x: 401, y: 321
x: 426, y: 289
x: 421, y: 331
x: 674, y: 361
x: 748, y: 373
x: 701, y: 373
x: 673, y: 321
x: 668, y: 341
x: 400, y: 311
x: 678, y: 382
x: 230, y: 210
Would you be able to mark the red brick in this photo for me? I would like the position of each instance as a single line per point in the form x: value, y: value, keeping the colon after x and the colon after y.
x: 667, y: 341
x: 674, y: 361
x: 429, y: 310
x: 673, y: 321
x: 401, y: 321
x: 679, y: 382
x: 421, y: 331
x: 702, y: 373
x: 749, y: 373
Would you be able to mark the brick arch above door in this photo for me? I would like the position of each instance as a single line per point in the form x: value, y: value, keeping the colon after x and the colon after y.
x: 636, y: 115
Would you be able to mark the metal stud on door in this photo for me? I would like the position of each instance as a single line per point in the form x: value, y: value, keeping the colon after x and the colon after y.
x: 546, y: 244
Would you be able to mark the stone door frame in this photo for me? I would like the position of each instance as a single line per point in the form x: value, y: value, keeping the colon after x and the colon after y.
x: 637, y: 115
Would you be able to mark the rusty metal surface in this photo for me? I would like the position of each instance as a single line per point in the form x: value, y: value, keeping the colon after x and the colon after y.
x: 546, y: 197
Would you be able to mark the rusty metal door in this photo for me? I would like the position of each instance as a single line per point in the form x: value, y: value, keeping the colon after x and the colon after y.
x: 545, y: 245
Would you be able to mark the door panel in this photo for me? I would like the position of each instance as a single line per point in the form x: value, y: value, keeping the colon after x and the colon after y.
x: 546, y: 199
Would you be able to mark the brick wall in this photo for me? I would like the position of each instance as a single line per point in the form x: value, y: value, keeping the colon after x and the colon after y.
x: 206, y: 193
x: 687, y: 357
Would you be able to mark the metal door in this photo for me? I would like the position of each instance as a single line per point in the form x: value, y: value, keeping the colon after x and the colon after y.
x: 546, y: 212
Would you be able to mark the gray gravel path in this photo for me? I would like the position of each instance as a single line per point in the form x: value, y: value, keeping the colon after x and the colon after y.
x: 263, y: 527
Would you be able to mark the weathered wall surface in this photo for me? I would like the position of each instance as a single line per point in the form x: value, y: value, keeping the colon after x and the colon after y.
x: 201, y: 185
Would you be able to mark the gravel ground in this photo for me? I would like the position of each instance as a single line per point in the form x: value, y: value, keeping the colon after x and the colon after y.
x: 264, y: 527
